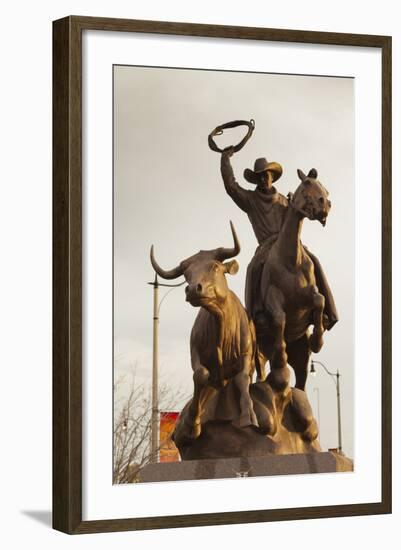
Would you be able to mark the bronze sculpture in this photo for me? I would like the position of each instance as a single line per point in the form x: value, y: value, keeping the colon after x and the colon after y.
x: 223, y: 341
x: 286, y: 293
x: 288, y: 285
x: 227, y: 416
x: 267, y: 209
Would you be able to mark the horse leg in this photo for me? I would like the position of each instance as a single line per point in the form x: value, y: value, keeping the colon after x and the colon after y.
x: 298, y: 358
x: 274, y: 303
x: 316, y: 338
x: 279, y: 376
x: 303, y: 415
x: 242, y: 380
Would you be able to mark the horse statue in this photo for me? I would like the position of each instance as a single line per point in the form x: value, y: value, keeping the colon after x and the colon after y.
x: 289, y: 291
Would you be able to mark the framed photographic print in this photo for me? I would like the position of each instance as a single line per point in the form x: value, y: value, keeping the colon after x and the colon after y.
x: 222, y: 274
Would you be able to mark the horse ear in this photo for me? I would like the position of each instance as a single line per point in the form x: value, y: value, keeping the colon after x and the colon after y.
x: 312, y: 173
x: 231, y: 267
x: 301, y: 175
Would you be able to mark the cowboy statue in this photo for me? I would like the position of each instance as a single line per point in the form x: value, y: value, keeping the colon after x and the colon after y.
x: 266, y: 209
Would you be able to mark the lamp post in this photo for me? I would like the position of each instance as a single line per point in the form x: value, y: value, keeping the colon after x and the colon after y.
x: 335, y: 376
x: 155, y: 364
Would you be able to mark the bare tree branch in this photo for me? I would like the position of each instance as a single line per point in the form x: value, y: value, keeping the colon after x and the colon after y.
x: 133, y: 427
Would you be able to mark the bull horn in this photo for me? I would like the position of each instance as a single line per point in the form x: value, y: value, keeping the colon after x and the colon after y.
x: 225, y: 253
x: 170, y: 274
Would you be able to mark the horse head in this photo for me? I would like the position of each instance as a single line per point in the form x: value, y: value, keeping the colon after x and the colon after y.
x: 311, y: 197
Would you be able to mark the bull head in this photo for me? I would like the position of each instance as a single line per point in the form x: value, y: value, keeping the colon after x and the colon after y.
x: 204, y: 273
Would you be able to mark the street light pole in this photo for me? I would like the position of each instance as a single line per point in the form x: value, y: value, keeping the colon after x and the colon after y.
x: 340, y: 443
x: 154, y: 448
x: 155, y: 373
x: 335, y: 376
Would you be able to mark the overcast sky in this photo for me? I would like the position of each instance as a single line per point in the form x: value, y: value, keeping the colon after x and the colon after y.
x: 168, y: 192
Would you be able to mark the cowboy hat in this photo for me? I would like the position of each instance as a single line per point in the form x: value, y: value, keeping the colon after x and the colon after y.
x: 261, y: 165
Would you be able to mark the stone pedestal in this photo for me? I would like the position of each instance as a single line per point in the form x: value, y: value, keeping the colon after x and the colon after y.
x: 284, y: 424
x: 270, y: 465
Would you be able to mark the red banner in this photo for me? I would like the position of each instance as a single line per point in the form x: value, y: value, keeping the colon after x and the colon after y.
x: 168, y: 450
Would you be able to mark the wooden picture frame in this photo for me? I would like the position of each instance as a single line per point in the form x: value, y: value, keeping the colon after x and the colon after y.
x: 67, y: 273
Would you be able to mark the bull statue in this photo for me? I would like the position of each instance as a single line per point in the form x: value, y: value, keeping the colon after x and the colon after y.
x: 223, y: 340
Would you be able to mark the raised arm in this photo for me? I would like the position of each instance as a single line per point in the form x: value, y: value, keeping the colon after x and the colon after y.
x: 236, y: 192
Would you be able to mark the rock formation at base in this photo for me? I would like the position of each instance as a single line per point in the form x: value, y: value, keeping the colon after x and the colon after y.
x: 285, y: 424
